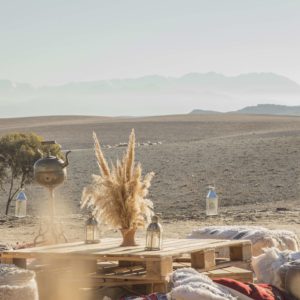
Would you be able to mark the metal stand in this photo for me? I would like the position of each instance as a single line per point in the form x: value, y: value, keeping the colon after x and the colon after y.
x: 52, y: 232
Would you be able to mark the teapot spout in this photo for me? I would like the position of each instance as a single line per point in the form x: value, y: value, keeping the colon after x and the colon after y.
x: 66, y: 163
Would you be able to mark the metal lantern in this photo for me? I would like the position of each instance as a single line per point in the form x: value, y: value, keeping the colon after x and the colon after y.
x: 91, y: 231
x: 154, y: 235
x: 211, y: 202
x: 21, y: 203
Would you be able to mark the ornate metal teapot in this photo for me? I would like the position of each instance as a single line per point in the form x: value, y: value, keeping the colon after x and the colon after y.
x: 50, y: 171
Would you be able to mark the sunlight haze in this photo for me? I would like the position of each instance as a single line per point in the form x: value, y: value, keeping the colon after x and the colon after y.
x: 55, y: 42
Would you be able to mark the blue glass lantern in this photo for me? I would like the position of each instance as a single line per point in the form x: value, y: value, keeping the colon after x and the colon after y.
x: 21, y: 205
x: 212, y: 202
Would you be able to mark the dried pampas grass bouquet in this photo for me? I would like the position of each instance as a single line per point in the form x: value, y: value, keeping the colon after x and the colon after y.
x: 118, y: 194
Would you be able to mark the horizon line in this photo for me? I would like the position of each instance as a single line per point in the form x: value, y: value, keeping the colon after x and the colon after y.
x: 211, y: 112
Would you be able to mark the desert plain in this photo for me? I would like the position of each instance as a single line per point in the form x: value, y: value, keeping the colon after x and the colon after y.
x: 253, y: 161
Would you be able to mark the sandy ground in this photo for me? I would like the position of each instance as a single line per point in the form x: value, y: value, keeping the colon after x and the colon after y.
x: 253, y: 161
x: 279, y: 216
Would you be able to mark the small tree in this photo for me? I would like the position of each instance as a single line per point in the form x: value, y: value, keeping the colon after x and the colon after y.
x: 18, y: 153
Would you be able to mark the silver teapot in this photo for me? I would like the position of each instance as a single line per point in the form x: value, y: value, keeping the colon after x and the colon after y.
x: 50, y: 171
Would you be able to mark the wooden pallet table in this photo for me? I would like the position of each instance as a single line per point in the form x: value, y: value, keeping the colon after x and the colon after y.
x: 108, y: 264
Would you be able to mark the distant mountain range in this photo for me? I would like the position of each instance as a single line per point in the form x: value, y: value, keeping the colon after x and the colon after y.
x: 260, y: 109
x: 149, y: 95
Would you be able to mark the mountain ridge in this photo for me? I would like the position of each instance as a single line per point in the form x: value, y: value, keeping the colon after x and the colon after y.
x: 259, y: 109
x: 146, y: 95
x: 193, y: 77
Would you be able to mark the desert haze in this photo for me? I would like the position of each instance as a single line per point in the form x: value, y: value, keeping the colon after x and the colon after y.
x: 252, y: 160
x: 148, y: 95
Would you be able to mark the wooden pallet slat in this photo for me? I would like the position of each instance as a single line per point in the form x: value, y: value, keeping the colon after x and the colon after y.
x: 111, y: 248
x: 231, y: 272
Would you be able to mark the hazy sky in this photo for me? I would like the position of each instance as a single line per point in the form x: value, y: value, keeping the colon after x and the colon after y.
x: 57, y: 41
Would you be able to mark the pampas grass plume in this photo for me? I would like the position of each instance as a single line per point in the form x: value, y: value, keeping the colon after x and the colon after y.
x: 118, y: 194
